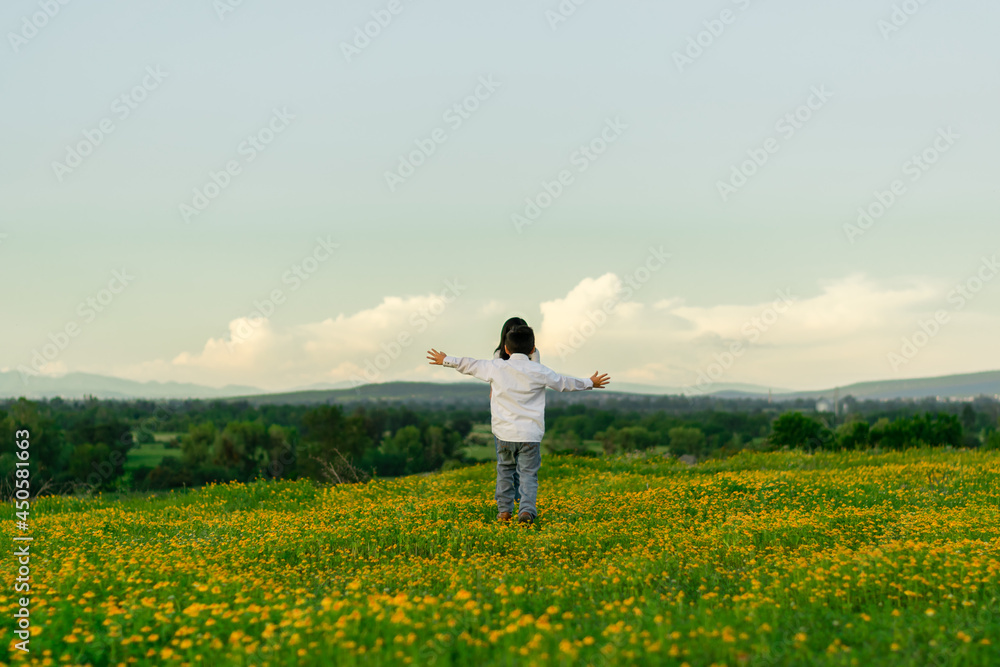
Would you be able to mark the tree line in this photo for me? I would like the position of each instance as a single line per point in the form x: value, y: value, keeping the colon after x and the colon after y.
x: 86, y: 444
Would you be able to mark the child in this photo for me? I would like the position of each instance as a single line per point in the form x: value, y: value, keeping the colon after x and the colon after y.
x: 517, y: 403
x: 500, y: 353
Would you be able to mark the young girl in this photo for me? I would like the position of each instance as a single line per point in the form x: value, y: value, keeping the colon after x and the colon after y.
x: 500, y: 353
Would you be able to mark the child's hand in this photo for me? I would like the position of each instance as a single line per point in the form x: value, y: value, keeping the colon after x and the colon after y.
x: 437, y: 358
x: 600, y: 381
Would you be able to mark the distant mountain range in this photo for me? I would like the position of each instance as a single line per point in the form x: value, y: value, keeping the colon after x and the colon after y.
x: 78, y: 385
x: 968, y: 385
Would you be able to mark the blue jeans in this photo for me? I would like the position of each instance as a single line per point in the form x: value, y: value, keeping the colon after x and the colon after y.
x: 517, y: 471
x: 517, y: 477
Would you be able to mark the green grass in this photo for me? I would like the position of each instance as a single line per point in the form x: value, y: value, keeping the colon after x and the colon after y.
x: 786, y: 558
x: 149, y: 455
x: 481, y: 452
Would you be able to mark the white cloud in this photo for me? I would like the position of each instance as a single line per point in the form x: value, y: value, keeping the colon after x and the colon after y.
x: 787, y: 340
x: 332, y: 350
x: 587, y: 308
x: 492, y: 308
x: 840, y: 334
x: 845, y: 307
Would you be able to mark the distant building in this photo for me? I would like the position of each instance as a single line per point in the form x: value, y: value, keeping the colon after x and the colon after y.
x: 823, y: 405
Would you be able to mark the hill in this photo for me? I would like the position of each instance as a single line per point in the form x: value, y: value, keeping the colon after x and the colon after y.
x: 79, y: 385
x: 780, y: 559
x: 968, y: 385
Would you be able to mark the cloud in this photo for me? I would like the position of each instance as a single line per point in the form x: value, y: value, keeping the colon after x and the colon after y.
x: 845, y: 326
x: 492, y: 308
x: 587, y: 308
x: 335, y: 349
x: 840, y: 333
x: 844, y: 307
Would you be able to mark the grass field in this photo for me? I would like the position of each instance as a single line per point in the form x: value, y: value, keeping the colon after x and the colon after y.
x: 766, y: 559
x: 149, y: 455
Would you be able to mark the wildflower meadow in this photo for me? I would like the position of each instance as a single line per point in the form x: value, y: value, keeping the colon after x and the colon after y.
x: 785, y: 558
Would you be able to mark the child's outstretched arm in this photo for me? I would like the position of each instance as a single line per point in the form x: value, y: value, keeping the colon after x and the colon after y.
x: 477, y: 368
x: 567, y: 383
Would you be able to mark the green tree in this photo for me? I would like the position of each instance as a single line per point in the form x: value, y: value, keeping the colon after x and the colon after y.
x: 440, y: 444
x: 331, y: 439
x: 854, y: 435
x: 562, y: 442
x: 921, y: 430
x: 278, y: 459
x: 794, y: 429
x: 242, y: 446
x: 609, y: 440
x: 91, y: 465
x: 686, y: 440
x: 992, y: 440
x: 49, y: 450
x: 197, y: 444
x: 399, y: 452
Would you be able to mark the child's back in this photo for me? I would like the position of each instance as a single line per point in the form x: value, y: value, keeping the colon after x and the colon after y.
x: 517, y: 405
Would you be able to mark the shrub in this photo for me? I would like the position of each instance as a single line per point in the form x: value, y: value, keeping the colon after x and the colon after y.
x: 854, y: 435
x: 686, y: 440
x: 794, y: 429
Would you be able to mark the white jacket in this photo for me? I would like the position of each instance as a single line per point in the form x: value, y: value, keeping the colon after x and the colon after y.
x: 517, y: 402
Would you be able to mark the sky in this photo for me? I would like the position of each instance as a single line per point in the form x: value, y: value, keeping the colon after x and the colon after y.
x: 795, y: 195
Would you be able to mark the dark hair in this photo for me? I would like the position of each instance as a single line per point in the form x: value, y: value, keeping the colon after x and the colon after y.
x: 520, y: 340
x: 507, y: 326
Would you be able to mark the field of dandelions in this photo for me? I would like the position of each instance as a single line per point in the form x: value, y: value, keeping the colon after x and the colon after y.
x: 761, y: 559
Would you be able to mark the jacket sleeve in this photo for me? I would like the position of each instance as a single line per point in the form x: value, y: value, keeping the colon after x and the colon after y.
x: 566, y: 383
x: 477, y: 368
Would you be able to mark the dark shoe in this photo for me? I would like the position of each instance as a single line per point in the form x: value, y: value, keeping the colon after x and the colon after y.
x: 524, y: 517
x: 504, y: 516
